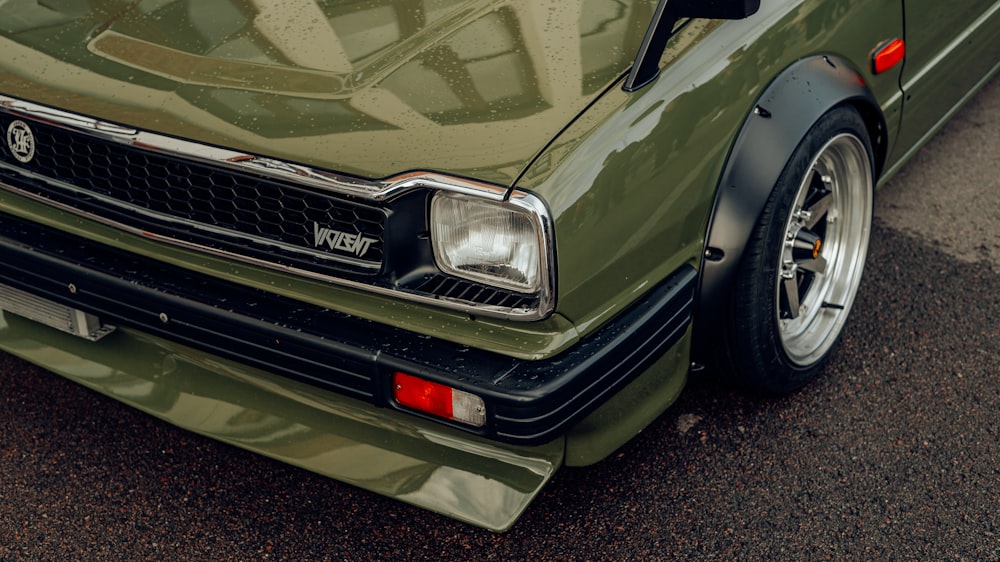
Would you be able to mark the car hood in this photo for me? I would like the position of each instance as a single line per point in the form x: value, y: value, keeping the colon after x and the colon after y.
x: 473, y: 87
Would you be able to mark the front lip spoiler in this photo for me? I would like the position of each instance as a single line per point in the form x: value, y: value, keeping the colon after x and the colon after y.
x: 528, y: 402
x: 482, y: 483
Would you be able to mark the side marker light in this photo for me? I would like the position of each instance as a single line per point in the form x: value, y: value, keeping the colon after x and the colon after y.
x: 888, y: 56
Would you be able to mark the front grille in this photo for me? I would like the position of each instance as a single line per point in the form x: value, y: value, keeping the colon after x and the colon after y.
x: 319, y: 224
x: 216, y: 208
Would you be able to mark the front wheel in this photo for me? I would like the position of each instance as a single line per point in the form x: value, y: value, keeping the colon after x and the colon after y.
x: 804, y: 259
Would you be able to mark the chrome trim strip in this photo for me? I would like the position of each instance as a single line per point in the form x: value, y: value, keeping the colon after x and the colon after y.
x: 370, y: 190
x: 536, y: 207
x: 57, y: 116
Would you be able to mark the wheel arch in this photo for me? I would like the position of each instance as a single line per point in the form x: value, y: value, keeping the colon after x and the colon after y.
x: 781, y: 117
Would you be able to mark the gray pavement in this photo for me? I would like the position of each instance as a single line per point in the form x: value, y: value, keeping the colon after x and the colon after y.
x: 892, y: 454
x: 950, y: 194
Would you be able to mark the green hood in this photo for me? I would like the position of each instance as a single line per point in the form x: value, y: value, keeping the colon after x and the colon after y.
x: 372, y: 88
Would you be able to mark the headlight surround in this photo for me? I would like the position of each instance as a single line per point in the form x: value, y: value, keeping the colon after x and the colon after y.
x: 498, y: 243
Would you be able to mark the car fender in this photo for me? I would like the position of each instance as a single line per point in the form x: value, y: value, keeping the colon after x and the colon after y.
x: 779, y: 120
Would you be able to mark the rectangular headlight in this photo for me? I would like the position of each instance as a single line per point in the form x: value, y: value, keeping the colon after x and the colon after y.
x: 487, y: 241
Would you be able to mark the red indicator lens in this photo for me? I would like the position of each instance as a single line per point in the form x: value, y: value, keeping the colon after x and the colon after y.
x: 888, y: 56
x: 422, y: 395
x: 438, y: 399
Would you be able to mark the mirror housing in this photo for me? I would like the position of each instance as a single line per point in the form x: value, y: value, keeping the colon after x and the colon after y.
x: 646, y: 66
x: 715, y: 9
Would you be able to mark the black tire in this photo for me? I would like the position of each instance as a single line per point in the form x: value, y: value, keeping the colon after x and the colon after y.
x: 804, y: 260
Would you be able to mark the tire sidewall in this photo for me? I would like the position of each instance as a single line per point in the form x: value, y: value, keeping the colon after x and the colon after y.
x: 761, y: 361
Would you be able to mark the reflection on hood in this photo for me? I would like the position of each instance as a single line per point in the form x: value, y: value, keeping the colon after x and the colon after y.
x: 491, y: 79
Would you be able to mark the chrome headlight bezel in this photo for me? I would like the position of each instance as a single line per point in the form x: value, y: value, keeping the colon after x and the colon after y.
x: 488, y: 242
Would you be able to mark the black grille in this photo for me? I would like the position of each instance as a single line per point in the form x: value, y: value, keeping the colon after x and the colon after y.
x: 461, y: 289
x: 213, y: 207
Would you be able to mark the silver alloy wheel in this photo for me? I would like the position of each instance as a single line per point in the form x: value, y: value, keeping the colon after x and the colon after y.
x: 826, y: 241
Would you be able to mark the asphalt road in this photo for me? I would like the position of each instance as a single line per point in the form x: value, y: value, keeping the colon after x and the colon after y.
x: 892, y: 454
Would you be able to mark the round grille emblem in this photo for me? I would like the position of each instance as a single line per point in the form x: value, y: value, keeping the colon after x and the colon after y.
x: 21, y: 141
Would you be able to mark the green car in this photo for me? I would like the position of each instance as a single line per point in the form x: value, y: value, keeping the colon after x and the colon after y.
x: 439, y: 248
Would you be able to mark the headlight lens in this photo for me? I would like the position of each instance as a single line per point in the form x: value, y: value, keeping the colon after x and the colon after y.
x: 486, y: 241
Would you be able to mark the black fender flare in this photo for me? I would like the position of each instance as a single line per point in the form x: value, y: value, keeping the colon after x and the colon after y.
x: 782, y: 116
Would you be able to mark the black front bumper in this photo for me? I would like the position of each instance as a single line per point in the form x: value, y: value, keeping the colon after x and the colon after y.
x: 527, y: 402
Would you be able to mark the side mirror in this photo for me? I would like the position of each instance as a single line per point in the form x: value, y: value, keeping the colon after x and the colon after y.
x: 715, y: 9
x: 646, y: 66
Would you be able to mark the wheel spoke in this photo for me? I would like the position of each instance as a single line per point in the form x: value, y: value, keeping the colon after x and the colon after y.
x: 819, y: 209
x: 817, y: 265
x: 790, y: 287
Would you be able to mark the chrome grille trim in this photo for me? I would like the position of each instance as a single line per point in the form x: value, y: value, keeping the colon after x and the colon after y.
x: 372, y: 190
